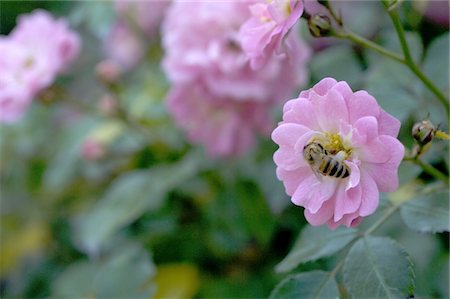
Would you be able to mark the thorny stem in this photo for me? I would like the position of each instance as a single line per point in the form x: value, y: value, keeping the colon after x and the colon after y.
x: 406, y: 60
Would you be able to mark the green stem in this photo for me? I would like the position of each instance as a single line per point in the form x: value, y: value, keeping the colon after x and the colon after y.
x: 369, y: 44
x: 408, y: 61
x: 428, y: 168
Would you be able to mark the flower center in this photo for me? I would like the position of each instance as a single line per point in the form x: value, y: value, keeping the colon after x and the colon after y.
x: 334, y: 145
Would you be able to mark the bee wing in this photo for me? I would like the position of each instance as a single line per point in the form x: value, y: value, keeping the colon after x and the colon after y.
x: 318, y: 176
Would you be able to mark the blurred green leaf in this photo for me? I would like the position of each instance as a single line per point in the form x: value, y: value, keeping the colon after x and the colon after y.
x: 315, y: 243
x: 436, y: 62
x: 128, y: 197
x: 65, y: 162
x: 395, y: 88
x: 428, y: 213
x: 378, y: 268
x: 315, y: 284
x: 339, y: 62
x: 126, y: 272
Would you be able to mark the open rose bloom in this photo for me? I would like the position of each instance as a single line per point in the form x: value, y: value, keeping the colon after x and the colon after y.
x: 353, y: 130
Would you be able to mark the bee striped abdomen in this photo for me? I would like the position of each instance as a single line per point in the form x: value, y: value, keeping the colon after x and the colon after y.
x: 323, y: 163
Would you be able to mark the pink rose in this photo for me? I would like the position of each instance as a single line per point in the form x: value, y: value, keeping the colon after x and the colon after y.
x: 31, y: 57
x: 263, y: 33
x: 204, y: 55
x: 226, y: 127
x: 356, y: 134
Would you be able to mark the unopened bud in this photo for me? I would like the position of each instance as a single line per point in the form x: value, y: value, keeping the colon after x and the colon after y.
x: 319, y: 25
x: 92, y: 149
x: 423, y: 132
x: 108, y: 71
x: 107, y: 105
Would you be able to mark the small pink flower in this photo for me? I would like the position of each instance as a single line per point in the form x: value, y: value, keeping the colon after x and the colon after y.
x: 33, y: 54
x: 123, y: 46
x: 356, y: 133
x: 226, y: 127
x: 263, y: 33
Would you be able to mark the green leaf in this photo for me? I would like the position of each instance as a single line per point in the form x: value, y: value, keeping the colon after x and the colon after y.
x: 428, y: 213
x: 315, y: 243
x: 378, y: 268
x: 109, y: 277
x: 436, y: 62
x: 130, y: 196
x: 315, y: 284
x: 339, y: 62
x: 395, y: 88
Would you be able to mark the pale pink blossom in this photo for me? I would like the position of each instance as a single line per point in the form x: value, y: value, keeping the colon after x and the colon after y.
x: 123, y: 46
x: 35, y: 52
x: 136, y: 25
x: 203, y: 47
x: 263, y: 33
x: 226, y: 127
x: 145, y: 15
x: 354, y: 130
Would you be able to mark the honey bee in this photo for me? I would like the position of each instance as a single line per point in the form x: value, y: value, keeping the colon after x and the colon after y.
x: 323, y: 162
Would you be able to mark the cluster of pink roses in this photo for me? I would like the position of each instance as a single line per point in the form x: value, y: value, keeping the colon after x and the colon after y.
x: 223, y: 89
x: 32, y: 55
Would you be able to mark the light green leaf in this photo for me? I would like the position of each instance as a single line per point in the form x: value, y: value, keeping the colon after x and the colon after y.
x: 130, y: 196
x: 109, y: 277
x: 378, y: 268
x: 315, y: 243
x: 339, y: 62
x: 428, y: 213
x: 311, y: 285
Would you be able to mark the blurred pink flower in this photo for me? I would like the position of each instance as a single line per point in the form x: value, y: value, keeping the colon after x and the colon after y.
x: 226, y: 127
x: 123, y: 46
x: 355, y: 131
x: 203, y: 47
x: 269, y: 23
x: 438, y: 12
x: 146, y: 15
x: 30, y: 63
x: 136, y: 20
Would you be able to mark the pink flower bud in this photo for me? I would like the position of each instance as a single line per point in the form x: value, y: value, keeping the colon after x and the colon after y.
x: 92, y: 149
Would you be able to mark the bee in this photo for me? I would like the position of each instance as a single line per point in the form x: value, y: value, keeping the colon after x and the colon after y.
x: 323, y: 162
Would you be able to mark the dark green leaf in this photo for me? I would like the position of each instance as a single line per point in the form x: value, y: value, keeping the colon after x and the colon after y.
x: 428, y: 213
x: 378, y: 268
x: 311, y: 285
x: 315, y: 243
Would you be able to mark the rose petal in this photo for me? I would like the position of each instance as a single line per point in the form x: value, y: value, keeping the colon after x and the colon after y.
x: 362, y: 104
x: 369, y: 196
x: 385, y: 174
x: 291, y: 179
x: 322, y: 215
